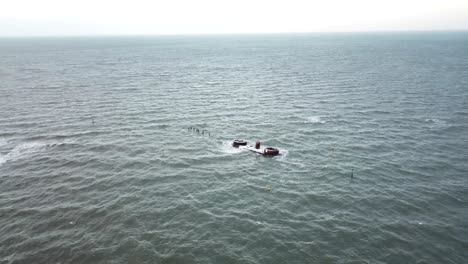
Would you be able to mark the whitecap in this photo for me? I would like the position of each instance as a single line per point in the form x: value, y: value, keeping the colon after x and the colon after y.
x: 435, y: 122
x: 314, y: 120
x: 22, y: 150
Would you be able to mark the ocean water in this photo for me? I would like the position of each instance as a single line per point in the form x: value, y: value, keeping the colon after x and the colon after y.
x: 97, y: 164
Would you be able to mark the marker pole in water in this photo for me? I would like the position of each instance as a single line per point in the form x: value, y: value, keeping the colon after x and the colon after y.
x: 352, y: 173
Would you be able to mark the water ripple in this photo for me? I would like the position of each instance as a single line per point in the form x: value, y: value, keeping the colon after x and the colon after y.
x: 97, y: 163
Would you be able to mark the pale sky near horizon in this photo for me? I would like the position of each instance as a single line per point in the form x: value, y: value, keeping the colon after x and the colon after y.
x: 146, y: 17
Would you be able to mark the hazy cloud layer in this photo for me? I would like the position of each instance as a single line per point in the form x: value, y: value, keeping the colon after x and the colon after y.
x: 122, y: 17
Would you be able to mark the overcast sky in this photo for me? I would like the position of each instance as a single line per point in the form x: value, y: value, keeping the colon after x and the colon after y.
x: 146, y: 17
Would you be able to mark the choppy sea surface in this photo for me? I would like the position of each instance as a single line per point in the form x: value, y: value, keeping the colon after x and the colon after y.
x: 97, y: 164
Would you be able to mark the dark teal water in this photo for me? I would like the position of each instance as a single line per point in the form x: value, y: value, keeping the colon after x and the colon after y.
x: 97, y: 165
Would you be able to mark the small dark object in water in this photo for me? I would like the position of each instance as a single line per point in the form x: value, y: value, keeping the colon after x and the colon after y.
x: 352, y: 173
x: 271, y: 151
x: 239, y: 142
x: 257, y: 145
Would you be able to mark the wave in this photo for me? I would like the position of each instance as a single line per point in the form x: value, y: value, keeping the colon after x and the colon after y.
x: 314, y: 120
x: 3, y: 142
x: 67, y: 136
x: 434, y: 120
x: 23, y: 150
x: 436, y: 123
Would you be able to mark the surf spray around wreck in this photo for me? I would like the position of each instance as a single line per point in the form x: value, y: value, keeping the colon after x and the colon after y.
x: 268, y: 151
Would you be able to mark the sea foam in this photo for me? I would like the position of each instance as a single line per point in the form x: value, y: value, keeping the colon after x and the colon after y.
x: 22, y: 150
x: 314, y: 120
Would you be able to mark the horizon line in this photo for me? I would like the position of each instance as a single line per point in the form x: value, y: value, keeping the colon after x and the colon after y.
x: 238, y: 33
